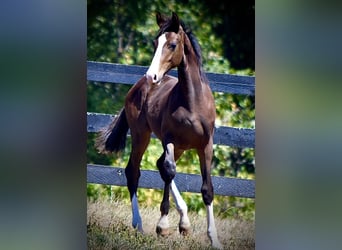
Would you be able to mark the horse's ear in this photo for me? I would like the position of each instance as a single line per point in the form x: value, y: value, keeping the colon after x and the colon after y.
x: 174, y: 23
x: 160, y: 19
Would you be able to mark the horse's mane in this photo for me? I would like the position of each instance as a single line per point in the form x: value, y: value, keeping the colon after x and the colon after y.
x: 168, y: 27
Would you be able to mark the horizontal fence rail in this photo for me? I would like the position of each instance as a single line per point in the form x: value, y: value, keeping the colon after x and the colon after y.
x: 234, y: 137
x: 185, y: 182
x: 229, y: 136
x: 130, y: 74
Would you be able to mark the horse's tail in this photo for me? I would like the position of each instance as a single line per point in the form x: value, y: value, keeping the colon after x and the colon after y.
x: 113, y: 139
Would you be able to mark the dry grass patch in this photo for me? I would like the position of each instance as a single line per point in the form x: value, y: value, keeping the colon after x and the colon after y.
x: 109, y: 227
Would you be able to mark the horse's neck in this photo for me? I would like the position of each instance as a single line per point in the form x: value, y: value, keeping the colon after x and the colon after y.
x: 190, y: 79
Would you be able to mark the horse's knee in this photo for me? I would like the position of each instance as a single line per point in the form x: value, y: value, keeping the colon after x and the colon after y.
x: 207, y: 194
x: 167, y: 170
x: 170, y: 167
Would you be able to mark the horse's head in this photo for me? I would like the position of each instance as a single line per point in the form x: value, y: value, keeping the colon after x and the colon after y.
x: 169, y: 48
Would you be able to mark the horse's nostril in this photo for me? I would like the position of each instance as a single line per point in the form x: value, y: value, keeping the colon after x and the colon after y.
x: 155, y: 77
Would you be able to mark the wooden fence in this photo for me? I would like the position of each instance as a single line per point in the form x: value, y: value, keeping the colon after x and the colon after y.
x: 229, y: 136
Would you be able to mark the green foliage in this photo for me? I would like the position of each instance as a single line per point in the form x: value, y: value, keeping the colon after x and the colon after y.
x: 123, y: 33
x: 105, y: 97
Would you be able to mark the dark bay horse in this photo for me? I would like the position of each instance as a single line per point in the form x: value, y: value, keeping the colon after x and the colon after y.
x: 180, y: 112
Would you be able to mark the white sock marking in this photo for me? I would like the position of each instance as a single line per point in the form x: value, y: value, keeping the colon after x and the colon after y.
x: 180, y: 203
x: 212, y: 233
x: 163, y: 222
x: 181, y: 206
x: 136, y: 220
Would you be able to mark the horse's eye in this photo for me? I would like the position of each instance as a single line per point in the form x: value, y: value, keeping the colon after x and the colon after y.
x: 172, y: 46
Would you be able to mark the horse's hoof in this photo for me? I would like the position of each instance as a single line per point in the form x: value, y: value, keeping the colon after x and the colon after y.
x: 185, y: 231
x: 162, y: 231
x: 217, y: 245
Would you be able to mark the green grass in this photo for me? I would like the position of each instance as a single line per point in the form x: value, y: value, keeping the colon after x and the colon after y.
x: 109, y: 227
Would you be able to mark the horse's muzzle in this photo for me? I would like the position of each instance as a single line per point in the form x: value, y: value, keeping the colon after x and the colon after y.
x: 152, y: 78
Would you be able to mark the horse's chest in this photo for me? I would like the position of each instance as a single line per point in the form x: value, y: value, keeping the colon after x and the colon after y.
x: 170, y: 116
x: 183, y: 117
x: 184, y: 122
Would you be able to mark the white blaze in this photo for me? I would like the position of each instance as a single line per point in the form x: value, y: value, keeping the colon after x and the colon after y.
x: 154, y: 67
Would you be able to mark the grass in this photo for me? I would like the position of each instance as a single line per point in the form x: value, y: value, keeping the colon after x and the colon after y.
x: 109, y: 227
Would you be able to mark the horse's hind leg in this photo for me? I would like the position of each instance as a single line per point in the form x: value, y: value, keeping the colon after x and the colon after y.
x: 167, y: 168
x: 132, y: 171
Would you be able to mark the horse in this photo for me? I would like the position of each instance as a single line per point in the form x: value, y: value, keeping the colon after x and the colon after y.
x: 179, y: 111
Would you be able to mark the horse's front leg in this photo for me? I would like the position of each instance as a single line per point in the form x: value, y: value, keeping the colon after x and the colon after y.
x: 207, y: 191
x: 184, y: 222
x: 167, y: 168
